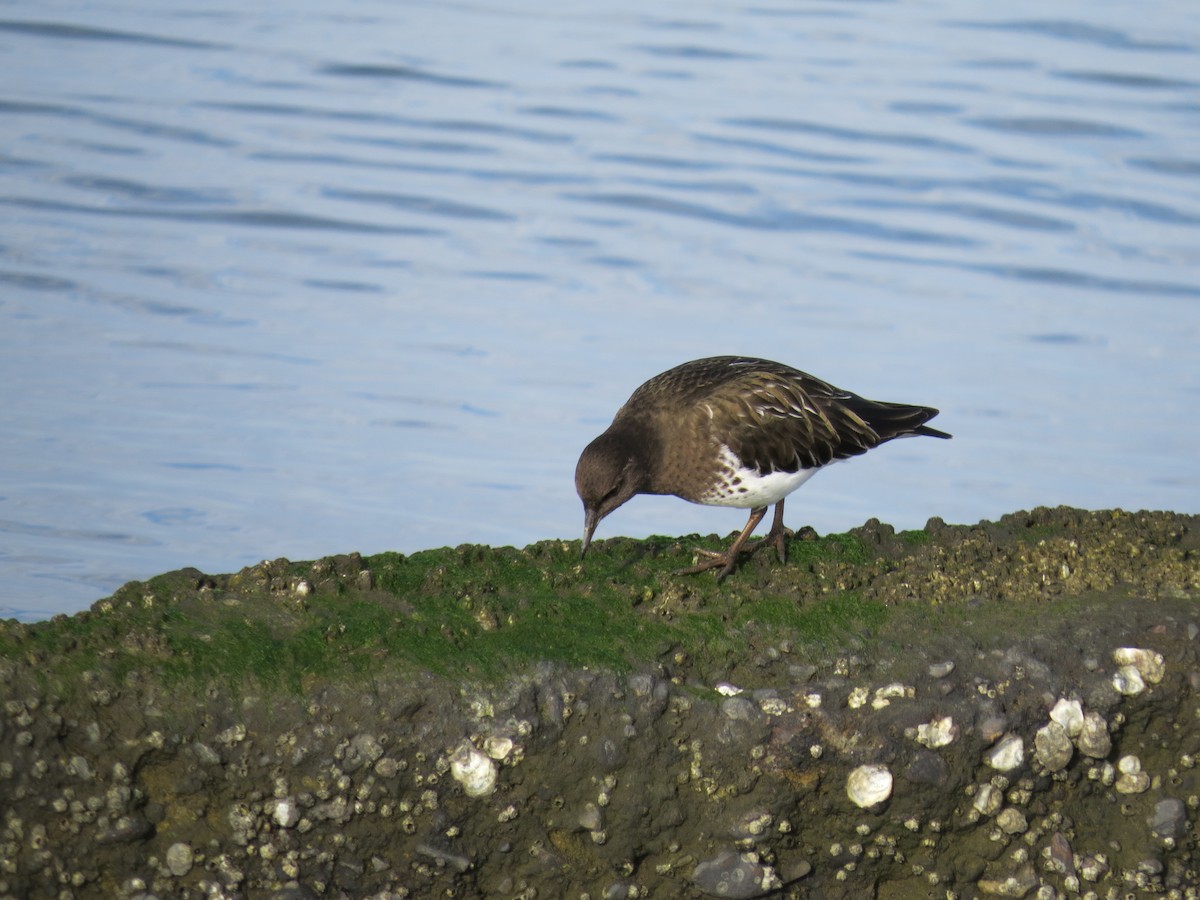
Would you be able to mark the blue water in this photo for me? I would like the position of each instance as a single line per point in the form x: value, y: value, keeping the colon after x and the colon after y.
x: 322, y: 277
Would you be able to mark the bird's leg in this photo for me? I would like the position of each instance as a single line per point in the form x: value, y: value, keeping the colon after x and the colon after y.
x: 777, y: 536
x: 727, y: 560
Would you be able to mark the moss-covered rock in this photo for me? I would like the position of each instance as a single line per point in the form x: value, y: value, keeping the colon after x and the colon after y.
x: 496, y: 722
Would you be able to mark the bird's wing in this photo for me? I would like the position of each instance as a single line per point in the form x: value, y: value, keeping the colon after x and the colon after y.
x: 781, y: 422
x: 772, y: 416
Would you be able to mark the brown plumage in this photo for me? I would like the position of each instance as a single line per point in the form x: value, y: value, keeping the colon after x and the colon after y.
x: 733, y: 431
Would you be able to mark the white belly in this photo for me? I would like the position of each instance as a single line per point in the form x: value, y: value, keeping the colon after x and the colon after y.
x: 748, y: 489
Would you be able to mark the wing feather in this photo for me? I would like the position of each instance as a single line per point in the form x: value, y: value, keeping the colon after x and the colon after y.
x: 772, y: 416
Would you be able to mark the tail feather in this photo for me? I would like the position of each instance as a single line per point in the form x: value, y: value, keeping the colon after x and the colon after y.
x: 933, y: 432
x: 895, y: 420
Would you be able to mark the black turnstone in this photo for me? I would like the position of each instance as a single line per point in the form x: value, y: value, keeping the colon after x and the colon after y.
x: 733, y: 431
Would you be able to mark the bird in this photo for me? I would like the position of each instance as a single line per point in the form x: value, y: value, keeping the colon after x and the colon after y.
x: 733, y: 431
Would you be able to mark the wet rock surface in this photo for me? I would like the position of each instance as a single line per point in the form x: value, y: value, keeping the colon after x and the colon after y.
x: 1004, y: 710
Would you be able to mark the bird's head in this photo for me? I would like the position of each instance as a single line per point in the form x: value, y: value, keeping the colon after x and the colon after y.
x: 610, y: 471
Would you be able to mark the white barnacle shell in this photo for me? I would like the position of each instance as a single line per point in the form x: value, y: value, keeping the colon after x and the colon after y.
x: 988, y: 799
x: 1053, y: 747
x: 1150, y: 665
x: 1128, y: 680
x: 285, y: 812
x: 1012, y: 821
x: 1131, y: 780
x: 889, y: 692
x: 1094, y: 739
x: 869, y: 785
x: 937, y: 733
x: 1129, y: 764
x: 498, y: 747
x: 1068, y: 714
x: 475, y: 771
x: 1007, y: 754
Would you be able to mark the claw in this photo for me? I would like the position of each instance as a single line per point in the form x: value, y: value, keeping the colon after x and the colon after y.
x: 727, y: 561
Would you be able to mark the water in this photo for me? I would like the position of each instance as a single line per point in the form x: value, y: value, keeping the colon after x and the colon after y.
x: 305, y: 279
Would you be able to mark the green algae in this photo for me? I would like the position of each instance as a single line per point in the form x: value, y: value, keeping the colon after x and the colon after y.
x: 481, y: 613
x: 473, y: 612
x: 914, y: 537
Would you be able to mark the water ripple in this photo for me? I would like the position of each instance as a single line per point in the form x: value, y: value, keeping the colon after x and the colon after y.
x: 419, y: 146
x: 174, y: 515
x: 85, y: 33
x: 681, y: 25
x: 976, y: 212
x: 1066, y: 339
x: 405, y: 73
x: 1053, y: 126
x: 318, y: 113
x: 773, y: 149
x: 569, y: 112
x: 727, y: 188
x: 252, y: 217
x: 291, y: 110
x: 350, y: 287
x: 421, y: 424
x: 899, y: 139
x: 140, y: 127
x: 133, y: 190
x: 1086, y: 200
x: 338, y: 160
x: 25, y: 108
x: 1189, y: 168
x: 432, y: 206
x: 692, y: 51
x: 533, y: 135
x: 1069, y: 278
x: 1078, y: 32
x: 179, y: 347
x: 9, y: 526
x: 657, y: 162
x: 1051, y: 275
x: 1127, y: 79
x: 31, y: 282
x: 499, y: 275
x: 774, y: 220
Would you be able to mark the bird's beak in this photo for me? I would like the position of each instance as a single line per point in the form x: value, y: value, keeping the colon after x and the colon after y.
x: 590, y: 519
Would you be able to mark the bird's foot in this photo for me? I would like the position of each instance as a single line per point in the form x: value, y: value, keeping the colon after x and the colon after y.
x: 726, y: 562
x: 777, y: 538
